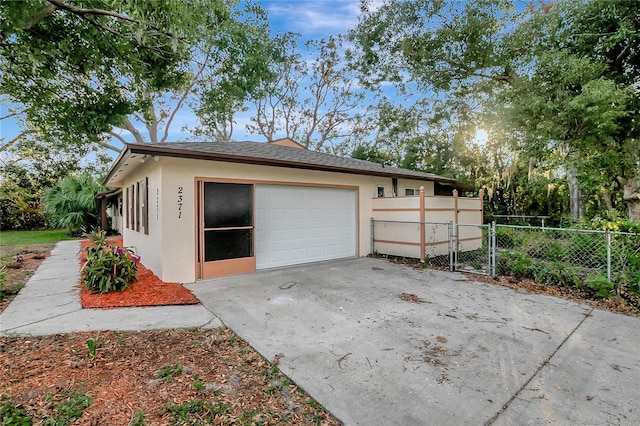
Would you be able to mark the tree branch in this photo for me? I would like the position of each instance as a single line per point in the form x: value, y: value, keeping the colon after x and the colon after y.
x: 131, y: 128
x: 44, y: 13
x: 61, y: 4
x: 109, y: 146
x: 184, y: 96
x: 119, y: 137
x: 16, y: 139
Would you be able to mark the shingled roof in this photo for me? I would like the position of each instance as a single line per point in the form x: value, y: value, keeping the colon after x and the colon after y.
x: 267, y: 154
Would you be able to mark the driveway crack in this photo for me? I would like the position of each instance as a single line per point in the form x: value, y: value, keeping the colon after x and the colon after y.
x: 535, y: 373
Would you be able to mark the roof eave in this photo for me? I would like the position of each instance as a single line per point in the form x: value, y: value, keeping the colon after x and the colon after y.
x: 233, y: 158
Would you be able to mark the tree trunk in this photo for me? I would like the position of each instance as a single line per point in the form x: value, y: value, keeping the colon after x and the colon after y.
x: 631, y: 196
x: 607, y: 201
x: 575, y: 197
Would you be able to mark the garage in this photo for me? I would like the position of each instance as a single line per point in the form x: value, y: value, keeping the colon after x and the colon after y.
x: 302, y: 224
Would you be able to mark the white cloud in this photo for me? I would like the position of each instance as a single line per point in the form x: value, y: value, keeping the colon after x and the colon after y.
x: 317, y: 18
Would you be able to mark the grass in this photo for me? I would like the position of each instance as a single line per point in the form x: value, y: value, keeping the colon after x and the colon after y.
x: 15, y: 238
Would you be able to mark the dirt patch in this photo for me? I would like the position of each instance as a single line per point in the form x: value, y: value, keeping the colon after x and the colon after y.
x: 625, y: 303
x: 148, y: 290
x: 203, y: 377
x: 409, y: 297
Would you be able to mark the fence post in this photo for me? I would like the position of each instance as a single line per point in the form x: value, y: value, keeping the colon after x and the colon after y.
x: 422, y: 227
x: 493, y: 248
x: 608, y: 234
x: 450, y: 228
x: 457, y: 229
x: 481, y: 197
x: 543, y: 223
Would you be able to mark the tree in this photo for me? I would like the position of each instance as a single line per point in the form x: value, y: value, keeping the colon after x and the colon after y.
x: 560, y: 79
x: 313, y: 102
x: 72, y: 203
x: 95, y: 69
x: 579, y: 102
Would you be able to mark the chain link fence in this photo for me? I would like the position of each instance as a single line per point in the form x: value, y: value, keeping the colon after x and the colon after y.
x: 473, y: 248
x: 601, y: 261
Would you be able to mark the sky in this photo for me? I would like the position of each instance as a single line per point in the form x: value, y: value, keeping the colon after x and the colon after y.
x: 315, y: 19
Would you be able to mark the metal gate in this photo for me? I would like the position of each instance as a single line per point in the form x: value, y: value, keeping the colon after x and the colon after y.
x: 457, y: 247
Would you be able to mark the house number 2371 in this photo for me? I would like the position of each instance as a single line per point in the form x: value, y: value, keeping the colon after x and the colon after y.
x: 179, y: 202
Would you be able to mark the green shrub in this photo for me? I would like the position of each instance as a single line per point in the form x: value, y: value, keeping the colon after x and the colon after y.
x: 601, y: 286
x: 108, y: 268
x: 516, y: 264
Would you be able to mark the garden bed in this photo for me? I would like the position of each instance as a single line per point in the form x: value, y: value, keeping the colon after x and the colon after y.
x: 147, y: 290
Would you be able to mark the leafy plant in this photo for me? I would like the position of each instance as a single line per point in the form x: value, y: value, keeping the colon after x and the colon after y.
x: 138, y: 419
x: 108, y: 268
x: 93, y: 344
x: 3, y: 276
x: 601, y: 286
x: 516, y: 264
x: 72, y: 204
x: 70, y: 409
x: 182, y: 412
x: 197, y: 384
x: 170, y: 372
x: 11, y: 414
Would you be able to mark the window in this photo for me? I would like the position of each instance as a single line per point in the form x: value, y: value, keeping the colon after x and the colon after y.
x: 137, y: 206
x: 126, y: 210
x: 381, y: 191
x: 131, y: 207
x: 412, y: 191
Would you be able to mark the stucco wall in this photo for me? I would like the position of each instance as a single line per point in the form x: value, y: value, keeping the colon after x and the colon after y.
x: 147, y: 246
x: 170, y: 248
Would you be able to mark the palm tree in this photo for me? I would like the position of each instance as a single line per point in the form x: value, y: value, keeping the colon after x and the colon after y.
x: 72, y: 203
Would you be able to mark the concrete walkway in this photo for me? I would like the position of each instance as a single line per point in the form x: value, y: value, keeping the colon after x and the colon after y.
x: 467, y: 353
x: 50, y: 304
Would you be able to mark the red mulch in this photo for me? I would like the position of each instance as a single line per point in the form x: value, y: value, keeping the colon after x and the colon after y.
x: 148, y: 290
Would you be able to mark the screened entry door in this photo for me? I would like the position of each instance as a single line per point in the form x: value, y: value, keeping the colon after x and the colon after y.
x: 225, y: 237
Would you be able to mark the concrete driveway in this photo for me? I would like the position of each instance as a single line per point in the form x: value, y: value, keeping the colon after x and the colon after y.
x: 465, y: 353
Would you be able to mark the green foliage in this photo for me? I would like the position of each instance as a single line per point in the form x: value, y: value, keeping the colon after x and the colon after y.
x: 93, y: 345
x: 72, y: 203
x: 108, y: 268
x: 13, y: 415
x: 85, y: 68
x: 195, y: 411
x: 19, y: 206
x: 25, y: 238
x: 516, y: 264
x: 138, y: 419
x: 553, y: 86
x: 170, y: 372
x: 70, y: 409
x: 198, y: 385
x: 571, y: 258
x: 7, y: 291
x: 611, y: 221
x: 601, y: 286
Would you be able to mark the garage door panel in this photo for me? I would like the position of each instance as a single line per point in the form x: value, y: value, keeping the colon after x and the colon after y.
x: 296, y: 224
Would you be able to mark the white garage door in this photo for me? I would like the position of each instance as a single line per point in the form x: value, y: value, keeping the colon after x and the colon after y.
x: 298, y: 224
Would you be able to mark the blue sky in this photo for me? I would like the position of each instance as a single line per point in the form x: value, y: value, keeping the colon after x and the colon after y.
x: 311, y: 19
